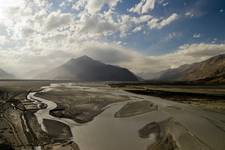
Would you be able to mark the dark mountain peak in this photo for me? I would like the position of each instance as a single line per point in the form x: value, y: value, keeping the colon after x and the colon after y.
x: 82, y: 59
x: 85, y: 68
x: 85, y: 57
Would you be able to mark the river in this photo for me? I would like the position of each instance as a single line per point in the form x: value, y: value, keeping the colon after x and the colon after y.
x: 107, y: 132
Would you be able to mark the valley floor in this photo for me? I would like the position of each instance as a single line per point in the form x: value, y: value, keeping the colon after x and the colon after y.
x: 206, y: 97
x: 96, y: 116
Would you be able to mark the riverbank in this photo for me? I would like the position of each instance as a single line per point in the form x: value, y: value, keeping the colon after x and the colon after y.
x: 211, y: 98
x: 19, y: 127
x: 80, y: 103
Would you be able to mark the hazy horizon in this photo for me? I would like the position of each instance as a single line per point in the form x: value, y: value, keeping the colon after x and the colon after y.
x: 144, y: 36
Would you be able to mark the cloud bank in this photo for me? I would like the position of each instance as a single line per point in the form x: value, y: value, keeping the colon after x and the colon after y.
x: 37, y: 34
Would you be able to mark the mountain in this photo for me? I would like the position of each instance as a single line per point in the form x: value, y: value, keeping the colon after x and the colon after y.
x: 210, y: 70
x: 150, y: 75
x: 87, y: 69
x: 5, y: 75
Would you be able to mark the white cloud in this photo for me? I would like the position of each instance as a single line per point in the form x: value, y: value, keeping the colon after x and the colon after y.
x: 41, y: 3
x: 173, y: 35
x: 10, y: 3
x: 27, y: 31
x: 144, y: 6
x: 187, y: 54
x: 137, y: 29
x: 165, y: 4
x: 57, y: 19
x: 142, y: 19
x: 197, y: 35
x: 156, y: 23
x: 189, y: 14
x: 63, y: 4
x: 79, y: 5
x: 94, y: 24
x: 149, y: 5
x: 202, y: 50
x: 3, y: 40
x: 94, y: 6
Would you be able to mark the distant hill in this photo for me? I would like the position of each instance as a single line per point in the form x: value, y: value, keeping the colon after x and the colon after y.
x: 87, y: 69
x: 5, y: 75
x: 210, y: 70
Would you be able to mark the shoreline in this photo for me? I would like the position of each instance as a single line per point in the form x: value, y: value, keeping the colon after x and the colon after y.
x: 20, y: 128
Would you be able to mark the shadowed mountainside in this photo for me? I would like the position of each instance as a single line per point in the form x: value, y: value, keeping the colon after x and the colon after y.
x: 87, y: 69
x: 210, y: 70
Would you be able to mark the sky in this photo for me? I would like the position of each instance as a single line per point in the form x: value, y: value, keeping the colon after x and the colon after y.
x: 145, y: 36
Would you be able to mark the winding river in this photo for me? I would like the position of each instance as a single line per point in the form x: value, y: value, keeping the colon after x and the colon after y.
x: 104, y: 132
x: 194, y: 128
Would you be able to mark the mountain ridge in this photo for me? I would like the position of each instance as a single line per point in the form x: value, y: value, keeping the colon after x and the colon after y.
x: 85, y: 68
x: 208, y: 69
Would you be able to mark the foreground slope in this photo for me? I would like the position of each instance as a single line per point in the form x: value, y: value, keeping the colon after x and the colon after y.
x: 87, y: 69
x: 211, y: 70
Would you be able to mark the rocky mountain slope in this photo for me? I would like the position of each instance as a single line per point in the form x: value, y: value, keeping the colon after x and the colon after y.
x: 210, y: 70
x: 87, y: 69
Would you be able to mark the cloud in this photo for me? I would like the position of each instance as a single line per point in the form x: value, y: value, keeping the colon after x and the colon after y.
x: 144, y: 6
x: 196, y: 9
x: 94, y: 6
x: 165, y: 4
x: 96, y: 24
x: 202, y: 50
x: 137, y: 29
x: 3, y: 40
x: 190, y: 14
x: 57, y: 19
x: 197, y: 35
x: 149, y: 5
x: 156, y: 23
x: 27, y: 31
x: 111, y: 54
x: 139, y: 63
x: 187, y: 54
x: 142, y: 19
x: 34, y: 35
x: 10, y: 3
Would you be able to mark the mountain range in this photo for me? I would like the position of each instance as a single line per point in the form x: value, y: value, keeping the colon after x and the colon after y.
x: 210, y: 70
x: 87, y: 69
